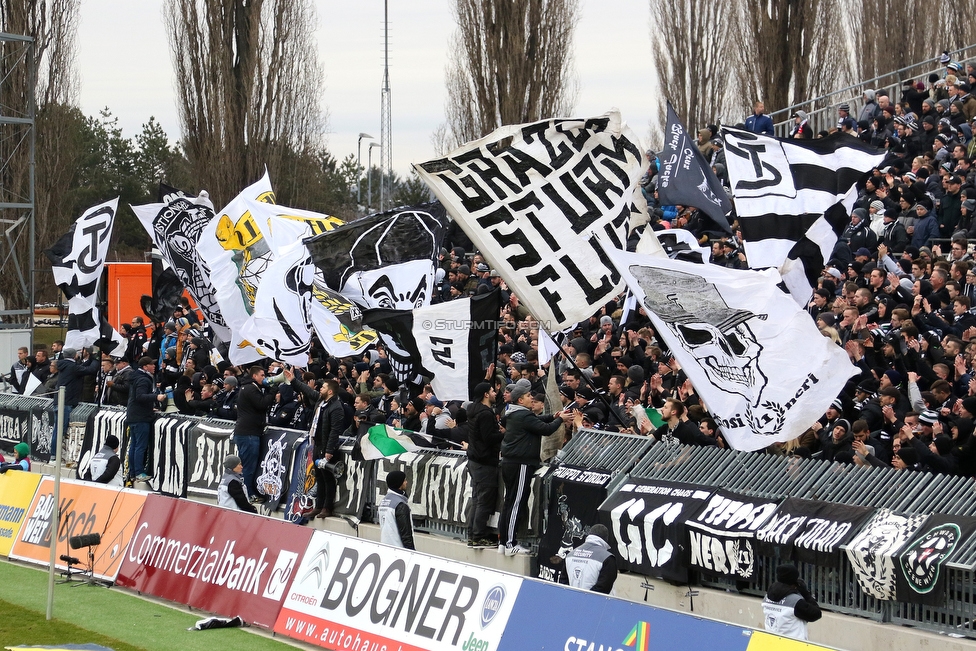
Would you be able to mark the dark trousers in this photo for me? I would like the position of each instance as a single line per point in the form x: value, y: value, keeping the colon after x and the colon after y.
x: 516, y: 477
x: 249, y: 450
x: 484, y: 498
x: 325, y: 485
x: 139, y: 436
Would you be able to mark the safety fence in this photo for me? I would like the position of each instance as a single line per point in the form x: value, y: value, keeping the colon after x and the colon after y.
x: 857, y: 534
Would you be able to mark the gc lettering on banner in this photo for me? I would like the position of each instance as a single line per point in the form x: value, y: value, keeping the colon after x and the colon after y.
x: 530, y: 196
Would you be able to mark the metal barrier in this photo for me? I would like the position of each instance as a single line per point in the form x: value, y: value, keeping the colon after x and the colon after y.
x: 822, y: 111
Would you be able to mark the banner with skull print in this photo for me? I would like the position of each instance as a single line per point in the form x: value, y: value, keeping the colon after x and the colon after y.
x: 175, y: 226
x: 293, y: 300
x: 722, y: 535
x: 922, y: 563
x: 530, y: 195
x: 874, y: 552
x: 77, y: 260
x: 736, y: 334
x: 235, y: 251
x: 452, y: 343
x: 385, y: 260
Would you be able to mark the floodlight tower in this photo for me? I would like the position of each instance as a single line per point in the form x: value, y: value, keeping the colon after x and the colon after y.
x: 386, y: 118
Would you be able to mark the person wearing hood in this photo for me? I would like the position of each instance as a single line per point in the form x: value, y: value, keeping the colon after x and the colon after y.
x: 521, y: 457
x: 105, y: 465
x: 858, y: 235
x: 232, y: 493
x: 592, y: 566
x: 801, y: 126
x: 788, y: 605
x: 870, y: 109
x: 926, y: 227
x: 396, y: 523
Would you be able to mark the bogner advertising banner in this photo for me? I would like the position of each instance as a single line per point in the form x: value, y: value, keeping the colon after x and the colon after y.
x: 350, y: 593
x: 220, y: 560
x: 647, y: 519
x: 722, y: 535
x: 16, y: 491
x: 85, y: 508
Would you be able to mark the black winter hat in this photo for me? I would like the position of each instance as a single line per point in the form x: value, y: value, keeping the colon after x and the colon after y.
x: 395, y: 479
x: 788, y: 574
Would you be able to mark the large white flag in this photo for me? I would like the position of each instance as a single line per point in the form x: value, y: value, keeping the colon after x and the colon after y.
x: 77, y: 260
x: 234, y: 249
x: 292, y: 300
x: 529, y: 195
x: 756, y: 359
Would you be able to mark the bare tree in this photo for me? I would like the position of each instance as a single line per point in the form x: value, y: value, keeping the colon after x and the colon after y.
x: 910, y: 24
x: 690, y: 42
x: 791, y: 51
x: 247, y: 85
x: 511, y: 62
x: 49, y: 81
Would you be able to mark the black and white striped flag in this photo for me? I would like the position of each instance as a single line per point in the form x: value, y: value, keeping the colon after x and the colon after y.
x: 794, y: 197
x: 77, y: 260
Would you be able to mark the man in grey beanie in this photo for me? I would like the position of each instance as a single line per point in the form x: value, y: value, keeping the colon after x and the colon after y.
x: 231, y: 493
x: 521, y: 457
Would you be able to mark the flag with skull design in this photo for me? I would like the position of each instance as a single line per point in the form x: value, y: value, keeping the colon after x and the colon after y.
x: 384, y: 260
x: 739, y: 338
x: 175, y: 224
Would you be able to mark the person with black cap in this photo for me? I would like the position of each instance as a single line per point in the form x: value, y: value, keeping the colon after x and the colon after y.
x: 788, y: 605
x: 396, y: 524
x: 483, y: 451
x: 592, y: 566
x: 232, y: 493
x: 106, y: 465
x: 521, y: 457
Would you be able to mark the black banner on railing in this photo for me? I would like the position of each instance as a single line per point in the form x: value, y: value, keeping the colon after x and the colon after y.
x: 276, y: 466
x: 647, y: 523
x: 168, y: 450
x: 575, y: 495
x: 100, y: 424
x: 207, y: 446
x: 811, y: 531
x: 722, y: 535
x: 921, y: 567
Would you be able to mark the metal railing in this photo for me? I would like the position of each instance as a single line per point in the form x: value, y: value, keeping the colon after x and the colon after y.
x: 822, y: 111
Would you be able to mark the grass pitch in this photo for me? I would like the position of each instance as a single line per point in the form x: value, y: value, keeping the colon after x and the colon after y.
x: 110, y: 617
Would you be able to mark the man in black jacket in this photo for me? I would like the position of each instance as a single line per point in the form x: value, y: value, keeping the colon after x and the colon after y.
x: 327, y: 425
x: 71, y: 376
x: 253, y: 403
x: 143, y: 400
x: 675, y: 431
x: 521, y: 457
x: 484, y: 447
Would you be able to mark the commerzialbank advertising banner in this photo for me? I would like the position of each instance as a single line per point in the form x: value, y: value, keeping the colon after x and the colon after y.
x: 219, y: 560
x: 350, y: 593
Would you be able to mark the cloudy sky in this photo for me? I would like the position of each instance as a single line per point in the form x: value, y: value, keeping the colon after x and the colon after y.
x: 124, y: 61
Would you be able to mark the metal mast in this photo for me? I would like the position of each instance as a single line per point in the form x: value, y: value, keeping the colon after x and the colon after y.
x: 386, y: 119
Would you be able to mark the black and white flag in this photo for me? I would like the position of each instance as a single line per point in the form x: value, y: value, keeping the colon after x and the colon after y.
x: 685, y: 178
x: 384, y: 260
x: 530, y: 195
x: 736, y: 335
x: 77, y: 260
x: 794, y: 197
x: 454, y: 342
x: 167, y: 290
x: 175, y: 225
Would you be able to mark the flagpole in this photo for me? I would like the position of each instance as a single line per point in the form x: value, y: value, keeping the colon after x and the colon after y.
x: 586, y: 379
